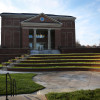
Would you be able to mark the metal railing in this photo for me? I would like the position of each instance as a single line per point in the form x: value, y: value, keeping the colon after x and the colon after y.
x: 12, y: 83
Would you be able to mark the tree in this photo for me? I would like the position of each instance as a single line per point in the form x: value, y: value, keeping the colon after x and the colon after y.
x: 78, y: 44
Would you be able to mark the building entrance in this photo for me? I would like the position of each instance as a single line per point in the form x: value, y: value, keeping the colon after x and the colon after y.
x: 41, y: 39
x: 40, y: 46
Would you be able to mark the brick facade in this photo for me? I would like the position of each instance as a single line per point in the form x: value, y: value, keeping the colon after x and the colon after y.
x: 25, y: 38
x: 15, y: 32
x: 57, y: 39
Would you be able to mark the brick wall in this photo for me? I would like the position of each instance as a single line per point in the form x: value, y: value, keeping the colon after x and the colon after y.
x: 57, y: 39
x: 80, y: 50
x: 13, y: 51
x: 15, y: 37
x: 25, y: 38
x: 10, y: 32
x: 68, y: 34
x: 6, y: 54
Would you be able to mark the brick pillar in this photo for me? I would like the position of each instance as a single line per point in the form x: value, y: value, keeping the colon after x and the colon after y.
x: 57, y: 38
x: 25, y: 38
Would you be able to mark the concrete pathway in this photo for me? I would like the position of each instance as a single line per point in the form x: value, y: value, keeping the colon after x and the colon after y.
x: 60, y: 82
x: 67, y: 81
x: 25, y: 97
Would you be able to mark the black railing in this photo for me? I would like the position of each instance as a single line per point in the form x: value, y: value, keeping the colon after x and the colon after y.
x: 12, y: 86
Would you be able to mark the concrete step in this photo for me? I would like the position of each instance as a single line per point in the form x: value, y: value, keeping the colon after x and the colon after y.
x: 58, y: 55
x: 41, y: 58
x: 56, y: 64
x: 58, y: 61
x: 33, y: 52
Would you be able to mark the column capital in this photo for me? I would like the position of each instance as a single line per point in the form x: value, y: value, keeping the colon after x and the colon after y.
x: 34, y: 28
x: 49, y: 29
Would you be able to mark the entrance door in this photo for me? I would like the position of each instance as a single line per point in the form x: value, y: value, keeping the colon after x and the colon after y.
x: 39, y: 46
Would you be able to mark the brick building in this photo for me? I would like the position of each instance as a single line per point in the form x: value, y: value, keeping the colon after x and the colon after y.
x: 36, y: 31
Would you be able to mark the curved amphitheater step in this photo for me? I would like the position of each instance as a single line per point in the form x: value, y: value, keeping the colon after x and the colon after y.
x: 25, y: 97
x: 54, y: 61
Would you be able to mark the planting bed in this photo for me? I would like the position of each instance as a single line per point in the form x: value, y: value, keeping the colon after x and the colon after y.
x: 77, y: 95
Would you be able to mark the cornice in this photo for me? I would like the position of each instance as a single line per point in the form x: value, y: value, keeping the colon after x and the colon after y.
x: 17, y: 15
x: 41, y: 24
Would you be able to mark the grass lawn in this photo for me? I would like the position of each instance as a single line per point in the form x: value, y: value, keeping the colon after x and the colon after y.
x: 24, y: 83
x: 63, y: 63
x: 77, y: 95
x: 57, y: 67
x: 63, y: 56
x: 0, y: 65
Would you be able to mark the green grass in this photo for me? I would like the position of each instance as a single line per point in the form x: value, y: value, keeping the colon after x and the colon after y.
x: 77, y: 95
x: 57, y: 67
x: 63, y: 63
x: 63, y: 56
x: 61, y: 59
x: 24, y: 83
x: 0, y: 65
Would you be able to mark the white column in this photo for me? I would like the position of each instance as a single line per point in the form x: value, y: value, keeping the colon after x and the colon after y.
x: 49, y: 39
x: 34, y: 39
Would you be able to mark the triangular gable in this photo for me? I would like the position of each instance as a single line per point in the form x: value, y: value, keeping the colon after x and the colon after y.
x: 36, y: 19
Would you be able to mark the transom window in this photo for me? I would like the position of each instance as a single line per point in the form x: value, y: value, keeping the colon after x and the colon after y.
x: 40, y: 36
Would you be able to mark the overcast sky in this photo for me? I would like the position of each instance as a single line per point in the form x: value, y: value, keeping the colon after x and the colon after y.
x: 87, y: 13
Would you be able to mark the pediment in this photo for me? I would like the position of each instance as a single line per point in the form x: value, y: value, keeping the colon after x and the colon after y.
x: 41, y: 18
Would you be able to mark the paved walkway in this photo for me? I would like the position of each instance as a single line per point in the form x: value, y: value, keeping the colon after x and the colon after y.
x: 25, y: 97
x: 60, y: 82
x: 67, y: 81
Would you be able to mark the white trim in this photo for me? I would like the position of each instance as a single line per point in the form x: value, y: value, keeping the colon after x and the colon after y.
x: 49, y: 38
x: 39, y: 16
x: 40, y: 28
x: 34, y: 38
x: 41, y: 24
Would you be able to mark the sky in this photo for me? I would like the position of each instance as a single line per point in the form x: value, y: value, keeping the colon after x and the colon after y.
x: 87, y: 13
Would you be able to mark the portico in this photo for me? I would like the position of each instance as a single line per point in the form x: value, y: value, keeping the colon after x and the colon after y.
x: 41, y: 31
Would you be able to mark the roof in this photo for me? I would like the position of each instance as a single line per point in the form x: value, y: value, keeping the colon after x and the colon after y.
x: 34, y: 14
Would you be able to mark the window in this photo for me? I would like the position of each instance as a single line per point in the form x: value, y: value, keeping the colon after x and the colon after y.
x: 30, y: 36
x: 30, y: 45
x: 69, y: 24
x: 40, y: 36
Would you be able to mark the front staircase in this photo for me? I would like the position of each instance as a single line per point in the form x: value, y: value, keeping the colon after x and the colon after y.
x: 56, y: 62
x: 32, y: 52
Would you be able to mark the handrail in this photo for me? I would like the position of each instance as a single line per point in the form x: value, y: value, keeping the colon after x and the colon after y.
x: 12, y: 86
